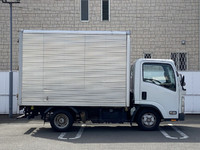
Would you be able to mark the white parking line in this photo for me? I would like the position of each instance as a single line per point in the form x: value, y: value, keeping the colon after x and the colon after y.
x: 61, y: 137
x: 78, y: 135
x: 183, y: 135
x: 167, y: 135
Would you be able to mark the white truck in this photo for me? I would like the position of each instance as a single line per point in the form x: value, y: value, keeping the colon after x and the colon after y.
x: 72, y: 76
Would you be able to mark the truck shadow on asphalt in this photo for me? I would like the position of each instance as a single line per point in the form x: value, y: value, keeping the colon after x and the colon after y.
x: 13, y: 120
x: 117, y: 134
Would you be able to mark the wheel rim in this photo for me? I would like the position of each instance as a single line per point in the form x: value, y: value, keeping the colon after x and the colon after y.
x: 61, y: 121
x: 148, y: 120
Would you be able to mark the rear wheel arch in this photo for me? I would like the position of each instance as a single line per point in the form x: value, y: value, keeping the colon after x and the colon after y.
x: 73, y: 111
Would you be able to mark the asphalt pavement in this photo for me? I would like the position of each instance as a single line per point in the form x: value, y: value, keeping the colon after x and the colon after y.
x: 24, y: 134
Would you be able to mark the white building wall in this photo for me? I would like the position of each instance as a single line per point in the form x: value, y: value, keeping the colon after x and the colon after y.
x: 4, y: 93
x: 192, y: 98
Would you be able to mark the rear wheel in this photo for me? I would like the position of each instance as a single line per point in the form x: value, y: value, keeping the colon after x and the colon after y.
x: 148, y: 120
x: 61, y: 120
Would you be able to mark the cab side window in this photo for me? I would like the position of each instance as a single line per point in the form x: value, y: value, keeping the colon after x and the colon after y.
x: 159, y: 74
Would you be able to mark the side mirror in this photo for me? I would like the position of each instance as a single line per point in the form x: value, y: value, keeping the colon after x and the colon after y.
x: 183, y: 82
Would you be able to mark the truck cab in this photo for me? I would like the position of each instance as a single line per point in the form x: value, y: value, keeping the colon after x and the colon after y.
x: 156, y: 86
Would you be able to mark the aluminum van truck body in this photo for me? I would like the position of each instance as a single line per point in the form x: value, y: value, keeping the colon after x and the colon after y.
x: 72, y: 76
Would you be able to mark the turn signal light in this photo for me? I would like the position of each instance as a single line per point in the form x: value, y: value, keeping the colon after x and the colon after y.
x: 173, y: 119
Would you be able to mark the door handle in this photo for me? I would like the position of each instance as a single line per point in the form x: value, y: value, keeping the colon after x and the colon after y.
x: 144, y: 95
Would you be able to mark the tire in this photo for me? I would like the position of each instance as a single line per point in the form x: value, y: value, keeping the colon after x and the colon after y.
x: 148, y: 120
x: 61, y: 120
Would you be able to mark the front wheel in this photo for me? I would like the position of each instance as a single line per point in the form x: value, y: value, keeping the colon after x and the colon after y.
x: 148, y: 120
x: 61, y: 120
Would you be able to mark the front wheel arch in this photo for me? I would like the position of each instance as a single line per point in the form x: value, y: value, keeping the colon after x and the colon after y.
x: 140, y: 108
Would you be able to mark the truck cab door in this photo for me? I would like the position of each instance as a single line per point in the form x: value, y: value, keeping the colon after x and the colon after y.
x: 159, y: 88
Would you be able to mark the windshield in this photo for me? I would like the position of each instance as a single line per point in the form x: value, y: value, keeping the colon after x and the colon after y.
x: 159, y: 74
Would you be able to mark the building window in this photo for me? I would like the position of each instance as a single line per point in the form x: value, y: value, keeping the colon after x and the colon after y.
x: 105, y: 10
x: 180, y: 60
x: 147, y: 55
x: 84, y: 10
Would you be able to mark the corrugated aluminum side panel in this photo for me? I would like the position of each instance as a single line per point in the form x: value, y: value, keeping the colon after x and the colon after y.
x: 32, y: 68
x: 74, y: 69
